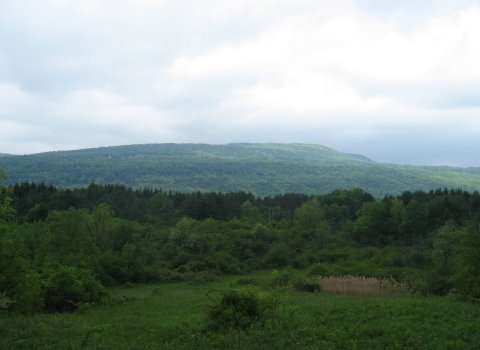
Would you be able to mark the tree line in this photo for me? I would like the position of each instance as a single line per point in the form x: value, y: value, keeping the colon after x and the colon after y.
x: 60, y: 248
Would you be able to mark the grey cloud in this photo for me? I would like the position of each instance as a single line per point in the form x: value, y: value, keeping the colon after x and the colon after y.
x: 53, y: 54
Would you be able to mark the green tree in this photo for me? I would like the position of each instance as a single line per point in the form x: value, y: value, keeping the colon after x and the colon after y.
x: 471, y: 244
x: 161, y: 209
x: 7, y: 261
x: 7, y: 213
x: 445, y: 246
x: 397, y: 212
x: 20, y: 288
x: 100, y: 225
x: 250, y: 213
x: 414, y: 224
x: 468, y: 279
x: 370, y: 228
x: 309, y: 215
x: 67, y: 231
x: 182, y: 233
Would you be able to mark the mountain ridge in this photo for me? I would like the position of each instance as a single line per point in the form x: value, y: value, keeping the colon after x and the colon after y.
x: 263, y: 169
x: 279, y: 151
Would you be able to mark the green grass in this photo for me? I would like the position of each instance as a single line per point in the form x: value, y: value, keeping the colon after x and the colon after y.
x: 173, y: 318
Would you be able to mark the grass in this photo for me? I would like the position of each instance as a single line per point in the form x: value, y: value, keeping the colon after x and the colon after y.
x: 351, y: 285
x: 171, y: 316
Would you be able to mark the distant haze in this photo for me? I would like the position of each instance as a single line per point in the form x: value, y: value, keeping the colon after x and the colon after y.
x: 398, y: 82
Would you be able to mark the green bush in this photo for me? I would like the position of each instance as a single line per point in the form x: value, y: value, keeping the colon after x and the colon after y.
x: 318, y: 270
x: 438, y: 284
x: 419, y: 287
x: 156, y: 291
x: 306, y: 285
x: 241, y: 308
x: 281, y: 279
x: 68, y: 287
x: 30, y: 299
x: 203, y: 278
x: 245, y: 281
x: 468, y: 285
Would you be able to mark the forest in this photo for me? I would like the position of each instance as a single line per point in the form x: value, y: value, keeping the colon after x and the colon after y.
x: 67, y: 250
x: 263, y: 169
x: 112, y: 234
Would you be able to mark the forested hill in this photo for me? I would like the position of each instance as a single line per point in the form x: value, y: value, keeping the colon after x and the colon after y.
x: 259, y: 151
x: 263, y: 169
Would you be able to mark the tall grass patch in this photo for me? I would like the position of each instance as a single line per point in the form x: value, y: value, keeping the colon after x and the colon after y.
x: 351, y: 285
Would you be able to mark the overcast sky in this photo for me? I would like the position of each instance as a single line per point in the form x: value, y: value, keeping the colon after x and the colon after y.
x: 397, y: 81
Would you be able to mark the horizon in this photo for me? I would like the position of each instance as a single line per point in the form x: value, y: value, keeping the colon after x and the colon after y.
x: 229, y: 143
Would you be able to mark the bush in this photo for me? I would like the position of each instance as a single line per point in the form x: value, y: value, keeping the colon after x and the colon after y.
x: 30, y: 299
x: 203, y: 278
x: 419, y: 287
x: 468, y: 285
x: 318, y: 270
x: 245, y: 281
x: 68, y: 287
x: 306, y: 285
x: 438, y: 284
x: 156, y: 291
x: 241, y: 308
x: 281, y: 279
x: 5, y: 302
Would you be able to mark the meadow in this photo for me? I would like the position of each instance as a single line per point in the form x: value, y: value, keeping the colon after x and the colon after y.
x: 175, y: 316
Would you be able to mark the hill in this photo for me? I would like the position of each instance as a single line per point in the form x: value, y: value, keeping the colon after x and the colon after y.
x: 263, y: 169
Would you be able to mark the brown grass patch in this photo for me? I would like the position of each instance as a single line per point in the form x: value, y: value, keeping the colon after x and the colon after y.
x: 351, y: 285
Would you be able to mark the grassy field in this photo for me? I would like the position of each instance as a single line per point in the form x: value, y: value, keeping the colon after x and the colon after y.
x: 172, y: 316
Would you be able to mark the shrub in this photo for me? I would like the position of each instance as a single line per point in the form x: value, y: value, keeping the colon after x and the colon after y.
x: 30, y: 299
x: 277, y: 256
x: 438, y: 284
x: 419, y: 287
x: 281, y: 279
x: 4, y: 301
x: 245, y: 281
x: 306, y: 285
x: 203, y: 278
x: 318, y: 270
x: 69, y: 287
x: 468, y: 285
x: 156, y: 291
x: 241, y: 308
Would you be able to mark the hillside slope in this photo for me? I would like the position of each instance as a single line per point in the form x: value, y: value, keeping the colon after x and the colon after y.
x: 263, y: 169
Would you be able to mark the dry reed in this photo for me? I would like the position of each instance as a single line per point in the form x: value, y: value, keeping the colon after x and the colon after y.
x: 351, y: 285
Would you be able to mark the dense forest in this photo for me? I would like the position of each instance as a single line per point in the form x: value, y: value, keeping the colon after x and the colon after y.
x: 263, y: 169
x: 60, y: 248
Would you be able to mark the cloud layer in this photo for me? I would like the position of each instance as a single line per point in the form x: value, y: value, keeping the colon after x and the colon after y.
x: 396, y: 81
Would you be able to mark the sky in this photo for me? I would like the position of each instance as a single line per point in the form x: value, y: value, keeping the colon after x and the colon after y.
x: 396, y: 81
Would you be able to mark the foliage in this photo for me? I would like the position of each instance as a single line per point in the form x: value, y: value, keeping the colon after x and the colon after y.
x: 136, y: 320
x: 123, y: 236
x: 468, y: 279
x: 264, y: 169
x: 242, y: 307
x: 281, y: 279
x: 245, y: 281
x: 317, y: 270
x: 68, y: 287
x: 5, y: 301
x: 310, y: 285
